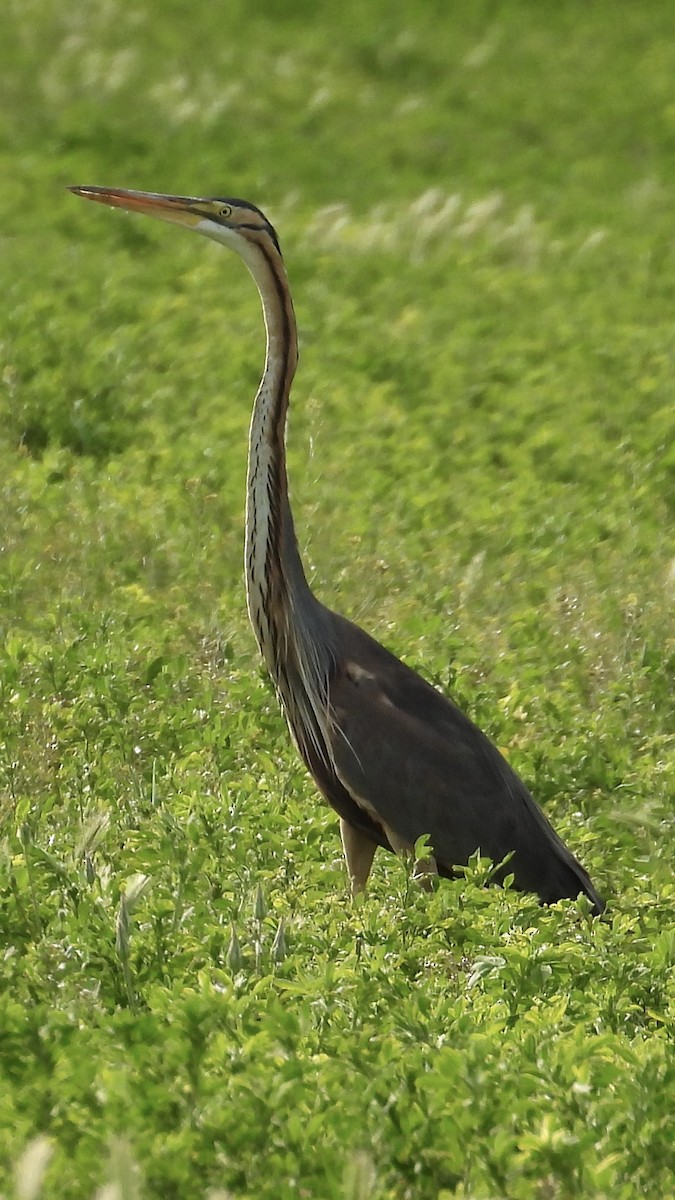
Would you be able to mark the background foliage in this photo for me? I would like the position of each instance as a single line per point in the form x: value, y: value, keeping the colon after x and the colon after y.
x: 476, y: 203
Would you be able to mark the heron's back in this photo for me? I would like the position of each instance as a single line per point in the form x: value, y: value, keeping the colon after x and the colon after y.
x: 415, y: 763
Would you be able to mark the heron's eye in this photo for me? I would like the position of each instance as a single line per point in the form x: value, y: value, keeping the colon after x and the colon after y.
x: 225, y: 211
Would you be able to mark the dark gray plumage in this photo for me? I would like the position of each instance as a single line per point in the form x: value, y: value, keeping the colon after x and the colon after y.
x: 425, y: 768
x: 395, y: 758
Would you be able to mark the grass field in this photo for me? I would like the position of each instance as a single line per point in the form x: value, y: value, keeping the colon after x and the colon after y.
x: 476, y: 206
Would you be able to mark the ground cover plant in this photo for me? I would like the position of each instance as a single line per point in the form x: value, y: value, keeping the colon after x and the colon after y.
x: 476, y: 207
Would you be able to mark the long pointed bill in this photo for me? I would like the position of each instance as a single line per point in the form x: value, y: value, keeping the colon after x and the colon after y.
x: 180, y: 210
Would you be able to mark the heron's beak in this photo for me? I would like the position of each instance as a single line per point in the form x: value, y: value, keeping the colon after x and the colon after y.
x: 180, y: 210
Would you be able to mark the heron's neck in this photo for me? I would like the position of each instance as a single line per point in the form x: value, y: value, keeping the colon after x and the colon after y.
x: 275, y: 581
x: 295, y: 632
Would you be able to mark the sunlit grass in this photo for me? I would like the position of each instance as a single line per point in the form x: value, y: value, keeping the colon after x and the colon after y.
x: 476, y: 212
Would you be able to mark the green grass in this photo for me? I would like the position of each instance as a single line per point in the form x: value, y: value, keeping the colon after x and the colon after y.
x: 476, y: 204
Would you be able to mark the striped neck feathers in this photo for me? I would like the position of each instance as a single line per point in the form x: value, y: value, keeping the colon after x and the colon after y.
x: 273, y: 567
x: 292, y: 628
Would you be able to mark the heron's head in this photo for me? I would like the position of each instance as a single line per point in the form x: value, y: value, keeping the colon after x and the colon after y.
x: 234, y: 223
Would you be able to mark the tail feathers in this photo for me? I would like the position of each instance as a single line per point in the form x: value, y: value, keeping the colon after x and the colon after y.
x: 568, y: 882
x: 565, y: 881
x: 597, y: 902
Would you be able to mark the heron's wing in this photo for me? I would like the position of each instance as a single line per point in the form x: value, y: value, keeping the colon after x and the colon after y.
x: 412, y: 761
x: 342, y: 801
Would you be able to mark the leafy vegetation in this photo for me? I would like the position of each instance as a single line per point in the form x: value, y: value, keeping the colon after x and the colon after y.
x: 476, y: 207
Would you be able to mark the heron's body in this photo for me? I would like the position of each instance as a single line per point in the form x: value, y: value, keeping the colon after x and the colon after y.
x: 394, y: 757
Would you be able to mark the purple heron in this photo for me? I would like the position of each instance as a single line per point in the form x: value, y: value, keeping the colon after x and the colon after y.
x: 394, y: 757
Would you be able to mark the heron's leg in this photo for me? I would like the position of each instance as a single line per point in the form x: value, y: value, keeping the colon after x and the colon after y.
x: 359, y: 854
x: 423, y: 868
